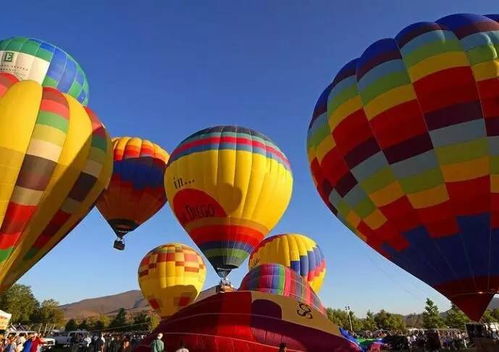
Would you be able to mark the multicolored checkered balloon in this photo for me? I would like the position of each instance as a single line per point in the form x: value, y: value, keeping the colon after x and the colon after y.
x: 171, y: 277
x: 34, y: 59
x: 404, y: 149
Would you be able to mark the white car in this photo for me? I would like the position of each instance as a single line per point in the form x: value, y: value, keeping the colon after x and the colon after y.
x: 63, y: 338
x: 48, y: 342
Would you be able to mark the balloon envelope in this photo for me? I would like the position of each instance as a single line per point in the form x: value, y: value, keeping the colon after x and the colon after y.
x: 171, y: 277
x: 403, y: 150
x: 55, y: 159
x: 136, y: 191
x: 37, y: 60
x: 295, y: 251
x: 246, y: 321
x: 228, y: 186
x: 280, y: 280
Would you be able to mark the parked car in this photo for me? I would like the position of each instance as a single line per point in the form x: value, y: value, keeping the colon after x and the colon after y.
x: 63, y: 338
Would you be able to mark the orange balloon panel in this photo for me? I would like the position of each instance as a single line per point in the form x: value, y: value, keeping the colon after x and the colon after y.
x: 136, y: 190
x: 171, y: 277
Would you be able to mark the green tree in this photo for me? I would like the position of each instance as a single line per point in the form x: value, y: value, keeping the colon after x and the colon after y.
x: 488, y: 317
x: 101, y: 323
x: 153, y: 321
x: 48, y: 312
x: 141, y: 321
x: 431, y: 316
x: 369, y: 323
x: 414, y: 320
x: 339, y: 317
x: 495, y: 314
x: 455, y: 318
x: 84, y: 325
x: 19, y: 301
x: 120, y: 321
x: 71, y: 325
x: 388, y: 321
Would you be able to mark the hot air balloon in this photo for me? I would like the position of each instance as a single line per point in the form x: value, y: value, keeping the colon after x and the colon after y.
x: 280, y: 280
x: 136, y: 191
x: 402, y: 148
x: 171, y: 277
x: 295, y: 251
x: 55, y: 159
x: 228, y: 186
x: 248, y: 321
x: 34, y: 59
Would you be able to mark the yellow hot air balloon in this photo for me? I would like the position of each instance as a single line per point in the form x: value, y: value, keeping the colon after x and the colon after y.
x: 295, y: 251
x: 55, y: 160
x: 228, y: 186
x: 171, y: 277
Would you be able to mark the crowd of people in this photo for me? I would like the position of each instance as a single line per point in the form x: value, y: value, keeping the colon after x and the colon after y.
x: 102, y: 342
x: 115, y: 342
x: 31, y: 342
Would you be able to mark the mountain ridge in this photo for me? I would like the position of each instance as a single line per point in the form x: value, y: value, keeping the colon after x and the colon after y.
x: 134, y: 302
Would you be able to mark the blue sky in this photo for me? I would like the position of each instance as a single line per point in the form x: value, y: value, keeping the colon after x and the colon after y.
x: 165, y: 69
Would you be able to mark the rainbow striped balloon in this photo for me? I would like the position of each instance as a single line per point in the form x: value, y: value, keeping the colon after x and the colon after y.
x: 55, y: 160
x: 297, y: 252
x: 228, y: 187
x: 280, y: 280
x: 403, y: 148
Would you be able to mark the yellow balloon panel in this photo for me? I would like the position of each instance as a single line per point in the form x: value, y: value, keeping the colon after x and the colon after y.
x: 54, y: 162
x: 171, y: 277
x: 228, y: 186
x: 294, y: 251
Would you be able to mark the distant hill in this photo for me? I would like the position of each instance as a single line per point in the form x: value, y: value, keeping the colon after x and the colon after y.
x: 132, y: 301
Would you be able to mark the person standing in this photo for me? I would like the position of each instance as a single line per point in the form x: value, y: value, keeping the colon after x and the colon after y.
x: 99, y: 343
x: 36, y: 343
x: 158, y: 345
x: 28, y: 343
x: 20, y: 342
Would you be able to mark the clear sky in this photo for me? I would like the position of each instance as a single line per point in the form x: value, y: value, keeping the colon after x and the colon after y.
x: 165, y: 69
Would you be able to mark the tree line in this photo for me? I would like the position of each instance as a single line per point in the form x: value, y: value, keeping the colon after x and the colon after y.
x: 19, y: 301
x: 122, y: 322
x: 27, y: 310
x: 431, y: 318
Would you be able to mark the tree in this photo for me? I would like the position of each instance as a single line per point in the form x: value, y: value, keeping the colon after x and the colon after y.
x: 84, y: 325
x: 455, y: 318
x: 431, y: 316
x: 340, y: 318
x: 120, y: 321
x: 101, y: 323
x: 141, y: 321
x: 369, y: 323
x: 71, y: 325
x: 153, y: 321
x: 414, y: 320
x: 488, y: 317
x: 495, y: 314
x: 19, y: 301
x: 48, y: 312
x: 389, y: 321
